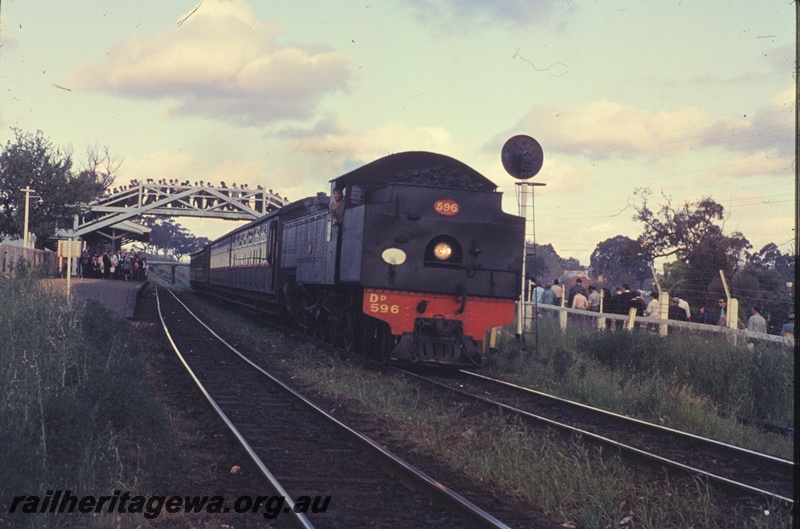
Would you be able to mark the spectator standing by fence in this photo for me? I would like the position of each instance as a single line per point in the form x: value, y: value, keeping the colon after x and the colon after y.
x: 625, y: 297
x: 723, y: 310
x: 724, y: 315
x: 581, y: 302
x: 756, y: 322
x: 705, y: 317
x: 683, y: 304
x: 675, y: 311
x: 637, y: 302
x: 787, y: 331
x: 653, y: 307
x: 548, y: 297
x: 536, y: 292
x: 594, y: 299
x: 615, y: 304
x: 577, y: 287
x: 558, y: 290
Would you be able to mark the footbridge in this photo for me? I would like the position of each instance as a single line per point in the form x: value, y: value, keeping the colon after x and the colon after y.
x: 114, y: 211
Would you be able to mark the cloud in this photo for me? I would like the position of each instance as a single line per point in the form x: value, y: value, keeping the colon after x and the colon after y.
x: 454, y: 14
x: 220, y: 63
x: 157, y: 165
x: 606, y: 129
x: 168, y: 165
x: 756, y: 163
x: 250, y: 173
x: 366, y: 146
x: 312, y: 157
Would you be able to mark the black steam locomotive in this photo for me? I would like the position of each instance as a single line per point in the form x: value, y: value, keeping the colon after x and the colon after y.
x: 423, y: 263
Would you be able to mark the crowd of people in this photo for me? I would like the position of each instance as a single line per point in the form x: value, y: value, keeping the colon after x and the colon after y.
x: 624, y: 299
x: 123, y: 266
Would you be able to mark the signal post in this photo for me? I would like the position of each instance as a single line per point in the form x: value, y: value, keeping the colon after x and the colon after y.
x: 522, y: 158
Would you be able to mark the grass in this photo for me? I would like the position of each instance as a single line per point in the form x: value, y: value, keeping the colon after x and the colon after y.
x: 682, y: 381
x: 566, y: 480
x: 75, y: 411
x: 576, y: 485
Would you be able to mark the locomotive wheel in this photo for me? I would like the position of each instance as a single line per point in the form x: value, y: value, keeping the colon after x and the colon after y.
x: 329, y: 327
x: 385, y: 343
x: 349, y: 325
x: 303, y: 323
x: 320, y: 326
x: 367, y: 338
x: 348, y: 331
x: 376, y: 340
x: 328, y: 319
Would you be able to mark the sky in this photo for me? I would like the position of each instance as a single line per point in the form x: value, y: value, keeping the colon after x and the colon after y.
x: 687, y: 98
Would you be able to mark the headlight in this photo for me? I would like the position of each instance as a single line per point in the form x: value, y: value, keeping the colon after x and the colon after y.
x: 442, y: 251
x: 393, y: 256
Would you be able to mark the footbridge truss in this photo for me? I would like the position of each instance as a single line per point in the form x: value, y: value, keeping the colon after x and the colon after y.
x: 173, y: 200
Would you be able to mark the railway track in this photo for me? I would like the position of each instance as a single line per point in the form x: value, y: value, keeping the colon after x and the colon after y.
x: 305, y: 454
x: 739, y: 472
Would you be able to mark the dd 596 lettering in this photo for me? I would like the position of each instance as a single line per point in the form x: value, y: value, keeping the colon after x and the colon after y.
x: 378, y: 304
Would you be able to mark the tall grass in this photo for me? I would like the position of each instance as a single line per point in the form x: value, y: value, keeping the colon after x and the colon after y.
x: 75, y: 412
x: 682, y: 380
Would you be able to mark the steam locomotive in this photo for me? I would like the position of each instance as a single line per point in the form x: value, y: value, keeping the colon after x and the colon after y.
x: 422, y: 265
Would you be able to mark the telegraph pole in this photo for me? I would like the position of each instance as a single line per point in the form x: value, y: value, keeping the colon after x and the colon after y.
x: 25, y: 238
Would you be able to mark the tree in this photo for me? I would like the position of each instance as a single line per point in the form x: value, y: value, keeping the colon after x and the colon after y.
x: 617, y: 261
x: 543, y: 262
x: 692, y: 234
x: 770, y: 258
x: 101, y: 168
x: 771, y: 270
x: 33, y: 161
x: 171, y: 239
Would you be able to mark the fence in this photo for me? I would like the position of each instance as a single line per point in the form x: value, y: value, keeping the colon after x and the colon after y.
x: 605, y: 321
x: 11, y: 256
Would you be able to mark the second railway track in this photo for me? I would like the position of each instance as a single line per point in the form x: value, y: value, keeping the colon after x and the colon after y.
x: 739, y: 471
x: 308, y: 455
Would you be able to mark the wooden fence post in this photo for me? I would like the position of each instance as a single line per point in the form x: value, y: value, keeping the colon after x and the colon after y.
x: 732, y: 312
x: 663, y: 312
x: 601, y: 321
x: 631, y: 323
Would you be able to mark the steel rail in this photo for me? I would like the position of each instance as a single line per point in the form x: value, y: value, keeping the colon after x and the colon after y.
x: 399, y: 465
x: 722, y: 481
x: 777, y: 462
x: 300, y: 518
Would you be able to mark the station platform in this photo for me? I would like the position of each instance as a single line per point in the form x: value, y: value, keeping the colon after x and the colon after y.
x: 116, y: 295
